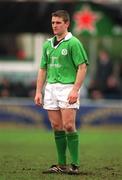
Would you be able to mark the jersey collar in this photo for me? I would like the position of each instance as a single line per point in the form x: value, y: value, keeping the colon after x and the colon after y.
x: 67, y: 37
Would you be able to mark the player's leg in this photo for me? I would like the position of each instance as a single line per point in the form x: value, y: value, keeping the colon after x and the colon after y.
x: 68, y: 114
x: 69, y: 118
x: 54, y: 114
x: 59, y: 134
x: 55, y: 120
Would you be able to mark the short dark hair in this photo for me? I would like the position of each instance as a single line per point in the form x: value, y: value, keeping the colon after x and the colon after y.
x: 63, y: 14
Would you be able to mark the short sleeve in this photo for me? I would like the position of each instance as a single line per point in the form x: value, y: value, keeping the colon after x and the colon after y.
x: 43, y: 61
x: 78, y: 52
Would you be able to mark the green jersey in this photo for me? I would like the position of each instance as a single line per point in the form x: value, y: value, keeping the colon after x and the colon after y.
x: 61, y: 61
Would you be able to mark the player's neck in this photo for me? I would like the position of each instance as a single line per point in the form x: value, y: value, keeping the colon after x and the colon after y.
x: 62, y: 36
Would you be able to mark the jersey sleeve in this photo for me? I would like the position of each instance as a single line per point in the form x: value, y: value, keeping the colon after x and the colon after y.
x: 78, y: 52
x: 43, y: 61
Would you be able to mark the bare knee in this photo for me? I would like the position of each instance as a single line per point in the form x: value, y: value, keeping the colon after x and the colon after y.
x: 69, y: 127
x: 68, y: 118
x: 56, y: 126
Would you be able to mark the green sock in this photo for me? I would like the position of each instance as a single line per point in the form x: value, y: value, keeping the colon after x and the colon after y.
x: 61, y: 144
x: 73, y: 145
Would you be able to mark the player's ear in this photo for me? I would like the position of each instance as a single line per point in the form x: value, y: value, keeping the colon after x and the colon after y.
x: 67, y: 24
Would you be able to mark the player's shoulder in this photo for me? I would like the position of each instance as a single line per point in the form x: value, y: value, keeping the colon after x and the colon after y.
x: 75, y: 39
x: 47, y: 42
x: 70, y: 37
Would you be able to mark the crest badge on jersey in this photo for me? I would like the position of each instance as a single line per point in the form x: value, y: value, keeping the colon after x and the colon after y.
x: 64, y: 52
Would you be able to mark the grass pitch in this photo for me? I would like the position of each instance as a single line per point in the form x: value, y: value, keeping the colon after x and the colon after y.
x: 25, y: 153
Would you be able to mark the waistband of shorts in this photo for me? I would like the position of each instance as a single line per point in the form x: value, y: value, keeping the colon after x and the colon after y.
x: 60, y: 83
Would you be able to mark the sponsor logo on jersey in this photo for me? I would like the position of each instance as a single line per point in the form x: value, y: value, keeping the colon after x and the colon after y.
x: 54, y: 62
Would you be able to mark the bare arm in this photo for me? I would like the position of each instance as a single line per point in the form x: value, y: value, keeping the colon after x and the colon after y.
x: 39, y: 87
x: 81, y: 73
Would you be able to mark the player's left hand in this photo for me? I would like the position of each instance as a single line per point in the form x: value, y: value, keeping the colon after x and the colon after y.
x: 73, y: 96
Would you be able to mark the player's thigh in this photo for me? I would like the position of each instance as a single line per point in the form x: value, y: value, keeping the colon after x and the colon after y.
x: 68, y: 115
x: 55, y: 118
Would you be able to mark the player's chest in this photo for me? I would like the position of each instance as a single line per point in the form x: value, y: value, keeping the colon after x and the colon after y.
x: 59, y: 51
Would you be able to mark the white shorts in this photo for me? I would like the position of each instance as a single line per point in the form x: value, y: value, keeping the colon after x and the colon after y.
x: 55, y: 96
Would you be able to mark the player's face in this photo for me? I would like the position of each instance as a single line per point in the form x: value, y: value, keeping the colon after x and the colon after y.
x: 59, y: 26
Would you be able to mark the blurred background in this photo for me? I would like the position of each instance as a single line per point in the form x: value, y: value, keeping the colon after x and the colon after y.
x: 25, y: 25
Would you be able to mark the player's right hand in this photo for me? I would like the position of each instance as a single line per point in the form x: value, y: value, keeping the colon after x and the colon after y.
x: 38, y: 99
